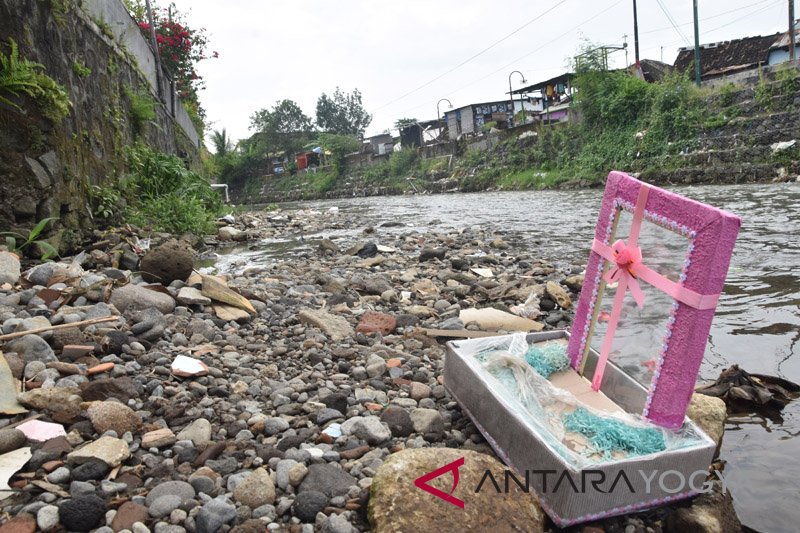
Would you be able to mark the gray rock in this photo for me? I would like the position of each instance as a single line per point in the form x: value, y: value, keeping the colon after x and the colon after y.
x: 9, y: 268
x: 199, y: 432
x: 282, y: 472
x: 191, y: 296
x: 428, y: 254
x: 164, y: 505
x: 328, y: 479
x: 338, y: 524
x: 11, y: 439
x: 368, y: 428
x: 80, y: 488
x: 335, y: 327
x: 275, y: 425
x: 182, y: 489
x: 326, y: 415
x: 31, y: 348
x: 139, y: 298
x: 59, y: 475
x: 149, y: 324
x: 47, y: 517
x: 427, y: 422
x: 307, y: 504
x: 213, y: 515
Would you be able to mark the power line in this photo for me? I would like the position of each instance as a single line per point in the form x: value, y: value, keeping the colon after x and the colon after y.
x: 472, y: 57
x: 708, y: 18
x: 672, y: 21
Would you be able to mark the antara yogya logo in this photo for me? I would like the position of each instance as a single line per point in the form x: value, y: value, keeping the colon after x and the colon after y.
x: 422, y: 482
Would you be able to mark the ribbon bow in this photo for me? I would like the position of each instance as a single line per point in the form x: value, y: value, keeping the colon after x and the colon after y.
x: 627, y: 260
x: 627, y: 269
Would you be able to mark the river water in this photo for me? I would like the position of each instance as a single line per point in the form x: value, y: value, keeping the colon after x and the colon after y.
x: 757, y: 324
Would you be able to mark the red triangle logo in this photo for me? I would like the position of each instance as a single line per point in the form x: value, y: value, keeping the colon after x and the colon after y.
x: 422, y: 482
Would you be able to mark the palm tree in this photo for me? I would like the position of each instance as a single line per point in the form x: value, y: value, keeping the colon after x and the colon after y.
x: 222, y: 143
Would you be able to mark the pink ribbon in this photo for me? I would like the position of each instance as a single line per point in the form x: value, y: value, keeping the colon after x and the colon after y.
x: 627, y: 269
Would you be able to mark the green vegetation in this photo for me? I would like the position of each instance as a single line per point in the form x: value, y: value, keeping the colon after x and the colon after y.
x: 20, y: 248
x: 20, y: 76
x: 80, y: 70
x: 162, y: 193
x: 787, y: 82
x: 142, y: 109
x: 339, y: 146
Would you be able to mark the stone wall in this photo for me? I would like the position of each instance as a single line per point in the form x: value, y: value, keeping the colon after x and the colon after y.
x: 47, y: 169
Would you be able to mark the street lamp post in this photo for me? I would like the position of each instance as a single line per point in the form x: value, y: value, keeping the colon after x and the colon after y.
x: 449, y: 106
x: 511, y: 96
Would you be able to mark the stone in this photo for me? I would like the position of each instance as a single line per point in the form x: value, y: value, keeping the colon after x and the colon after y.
x: 31, y: 348
x: 63, y: 403
x: 307, y: 504
x: 148, y: 325
x: 376, y: 366
x: 336, y: 401
x: 213, y: 515
x: 368, y: 428
x: 229, y: 233
x: 297, y: 472
x: 328, y: 479
x: 395, y: 507
x: 181, y: 489
x: 164, y: 505
x: 427, y: 422
x: 339, y: 524
x: 376, y: 285
x: 199, y: 432
x: 398, y: 420
x: 256, y: 490
x: 418, y: 391
x: 122, y: 389
x: 712, y: 512
x: 428, y: 254
x: 83, y: 513
x: 47, y: 517
x: 171, y: 261
x: 35, y: 322
x: 709, y: 413
x: 275, y: 425
x: 111, y: 415
x: 575, y: 282
x: 128, y: 514
x: 191, y: 296
x: 335, y: 327
x: 109, y: 450
x: 372, y: 322
x: 139, y: 298
x: 558, y: 294
x: 158, y: 438
x: 326, y: 415
x: 23, y: 523
x: 92, y: 470
x: 11, y: 439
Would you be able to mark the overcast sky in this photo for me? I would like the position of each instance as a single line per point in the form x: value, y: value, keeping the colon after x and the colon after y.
x: 406, y: 55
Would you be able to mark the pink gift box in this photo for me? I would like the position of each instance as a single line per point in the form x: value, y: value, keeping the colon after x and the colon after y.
x: 665, y: 290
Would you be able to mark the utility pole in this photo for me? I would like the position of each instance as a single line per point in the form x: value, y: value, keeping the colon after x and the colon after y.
x: 156, y: 52
x: 791, y: 31
x: 636, y: 33
x: 697, y: 69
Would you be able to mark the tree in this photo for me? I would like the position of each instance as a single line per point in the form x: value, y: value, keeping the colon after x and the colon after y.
x: 401, y: 123
x: 342, y: 113
x: 222, y: 143
x: 284, y: 128
x: 339, y: 146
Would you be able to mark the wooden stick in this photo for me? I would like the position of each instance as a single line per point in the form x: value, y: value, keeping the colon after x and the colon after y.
x: 60, y: 326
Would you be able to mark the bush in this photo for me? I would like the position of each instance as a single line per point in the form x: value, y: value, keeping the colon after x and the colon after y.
x: 20, y: 76
x: 161, y: 192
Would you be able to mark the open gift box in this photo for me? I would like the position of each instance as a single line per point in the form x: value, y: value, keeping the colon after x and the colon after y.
x: 606, y: 433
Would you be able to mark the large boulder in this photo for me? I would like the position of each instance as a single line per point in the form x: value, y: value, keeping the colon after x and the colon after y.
x: 709, y: 413
x: 395, y: 503
x: 712, y: 512
x: 167, y: 263
x: 9, y: 268
x: 138, y: 298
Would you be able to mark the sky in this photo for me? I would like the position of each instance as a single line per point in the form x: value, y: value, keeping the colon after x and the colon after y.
x: 405, y: 56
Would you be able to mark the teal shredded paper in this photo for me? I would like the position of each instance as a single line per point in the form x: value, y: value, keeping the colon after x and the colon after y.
x: 608, y: 435
x: 548, y: 358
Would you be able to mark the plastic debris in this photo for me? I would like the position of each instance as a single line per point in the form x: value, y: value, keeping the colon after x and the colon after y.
x: 185, y: 367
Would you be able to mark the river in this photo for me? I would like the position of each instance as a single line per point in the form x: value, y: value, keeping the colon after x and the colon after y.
x: 757, y: 323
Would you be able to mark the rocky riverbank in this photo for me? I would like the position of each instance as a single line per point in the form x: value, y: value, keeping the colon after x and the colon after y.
x: 286, y: 398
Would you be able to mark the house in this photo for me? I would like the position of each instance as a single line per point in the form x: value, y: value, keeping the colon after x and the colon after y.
x: 420, y: 133
x: 471, y: 118
x: 378, y: 144
x: 555, y: 95
x: 738, y: 55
